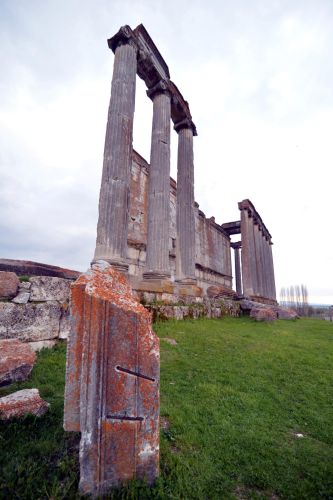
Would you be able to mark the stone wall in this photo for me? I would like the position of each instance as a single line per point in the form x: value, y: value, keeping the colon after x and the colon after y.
x: 212, y: 244
x: 34, y: 311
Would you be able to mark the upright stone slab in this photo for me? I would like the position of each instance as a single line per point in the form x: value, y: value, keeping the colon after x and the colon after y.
x: 112, y: 382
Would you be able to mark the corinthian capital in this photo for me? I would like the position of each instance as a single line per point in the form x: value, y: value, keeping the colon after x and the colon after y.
x: 124, y: 36
x: 161, y: 87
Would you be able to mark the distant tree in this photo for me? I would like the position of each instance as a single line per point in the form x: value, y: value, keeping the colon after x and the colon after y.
x: 283, y: 296
x: 295, y: 297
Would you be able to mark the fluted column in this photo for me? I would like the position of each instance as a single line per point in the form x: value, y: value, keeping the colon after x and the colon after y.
x: 185, y: 243
x: 265, y: 273
x: 258, y: 258
x: 273, y: 288
x: 157, y: 260
x: 246, y: 230
x: 268, y: 267
x: 237, y: 246
x: 111, y: 242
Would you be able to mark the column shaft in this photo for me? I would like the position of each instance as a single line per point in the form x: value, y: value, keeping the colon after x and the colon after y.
x: 273, y: 288
x: 246, y: 229
x: 185, y: 256
x: 111, y: 242
x: 258, y: 259
x: 238, y: 272
x: 265, y: 273
x: 157, y: 261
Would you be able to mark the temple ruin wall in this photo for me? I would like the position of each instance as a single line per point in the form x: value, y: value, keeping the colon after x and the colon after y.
x: 212, y: 244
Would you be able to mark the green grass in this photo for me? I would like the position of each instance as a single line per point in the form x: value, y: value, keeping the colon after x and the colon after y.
x: 234, y: 393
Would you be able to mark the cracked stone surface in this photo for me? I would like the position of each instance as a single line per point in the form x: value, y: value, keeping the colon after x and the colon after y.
x: 16, y: 361
x: 112, y: 382
x: 21, y: 403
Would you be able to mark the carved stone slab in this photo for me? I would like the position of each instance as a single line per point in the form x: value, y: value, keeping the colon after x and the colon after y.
x: 112, y: 382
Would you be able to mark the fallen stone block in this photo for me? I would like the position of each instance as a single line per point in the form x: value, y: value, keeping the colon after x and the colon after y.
x: 9, y: 284
x: 29, y: 322
x: 24, y: 286
x: 21, y: 298
x: 246, y: 305
x: 285, y: 313
x: 42, y: 344
x: 45, y: 288
x: 112, y: 382
x: 263, y: 314
x: 65, y: 323
x: 16, y: 361
x: 26, y: 267
x: 20, y: 403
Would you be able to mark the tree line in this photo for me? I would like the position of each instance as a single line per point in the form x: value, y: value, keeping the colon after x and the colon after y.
x: 295, y: 297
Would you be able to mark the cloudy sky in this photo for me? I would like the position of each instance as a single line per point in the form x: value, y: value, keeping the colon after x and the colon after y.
x: 258, y: 77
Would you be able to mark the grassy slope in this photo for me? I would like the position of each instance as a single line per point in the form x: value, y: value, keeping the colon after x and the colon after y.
x: 235, y: 393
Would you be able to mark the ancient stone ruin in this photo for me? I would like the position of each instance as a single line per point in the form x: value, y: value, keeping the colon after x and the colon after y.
x: 152, y: 238
x: 150, y: 227
x: 112, y: 382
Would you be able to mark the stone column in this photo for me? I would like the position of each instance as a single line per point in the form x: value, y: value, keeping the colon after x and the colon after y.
x: 273, y: 288
x: 265, y: 274
x: 246, y: 230
x: 268, y: 268
x: 258, y: 258
x: 157, y: 260
x: 111, y: 242
x: 185, y: 243
x: 237, y: 246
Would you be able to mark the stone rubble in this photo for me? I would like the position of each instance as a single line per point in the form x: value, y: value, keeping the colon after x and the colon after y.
x: 266, y: 312
x: 9, y: 284
x: 16, y: 361
x: 20, y: 403
x: 46, y: 288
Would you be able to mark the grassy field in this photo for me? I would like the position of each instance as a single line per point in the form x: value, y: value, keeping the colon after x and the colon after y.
x: 234, y: 396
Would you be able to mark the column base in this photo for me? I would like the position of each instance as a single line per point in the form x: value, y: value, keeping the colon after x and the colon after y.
x: 186, y: 281
x: 119, y: 265
x: 156, y: 275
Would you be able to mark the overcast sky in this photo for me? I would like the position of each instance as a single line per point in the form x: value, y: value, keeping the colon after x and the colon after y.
x: 258, y: 76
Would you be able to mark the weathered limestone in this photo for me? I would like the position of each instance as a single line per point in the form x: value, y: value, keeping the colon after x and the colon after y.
x: 46, y: 288
x: 257, y: 260
x: 238, y: 275
x: 9, y: 284
x: 30, y: 322
x: 157, y: 260
x: 263, y: 314
x: 271, y: 271
x: 111, y: 242
x: 185, y: 243
x: 266, y: 312
x: 112, y: 382
x: 42, y: 344
x: 247, y: 272
x: 264, y: 277
x: 16, y: 361
x: 28, y: 268
x: 20, y: 403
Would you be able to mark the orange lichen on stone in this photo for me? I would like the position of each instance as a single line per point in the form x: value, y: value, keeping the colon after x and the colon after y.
x: 112, y: 382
